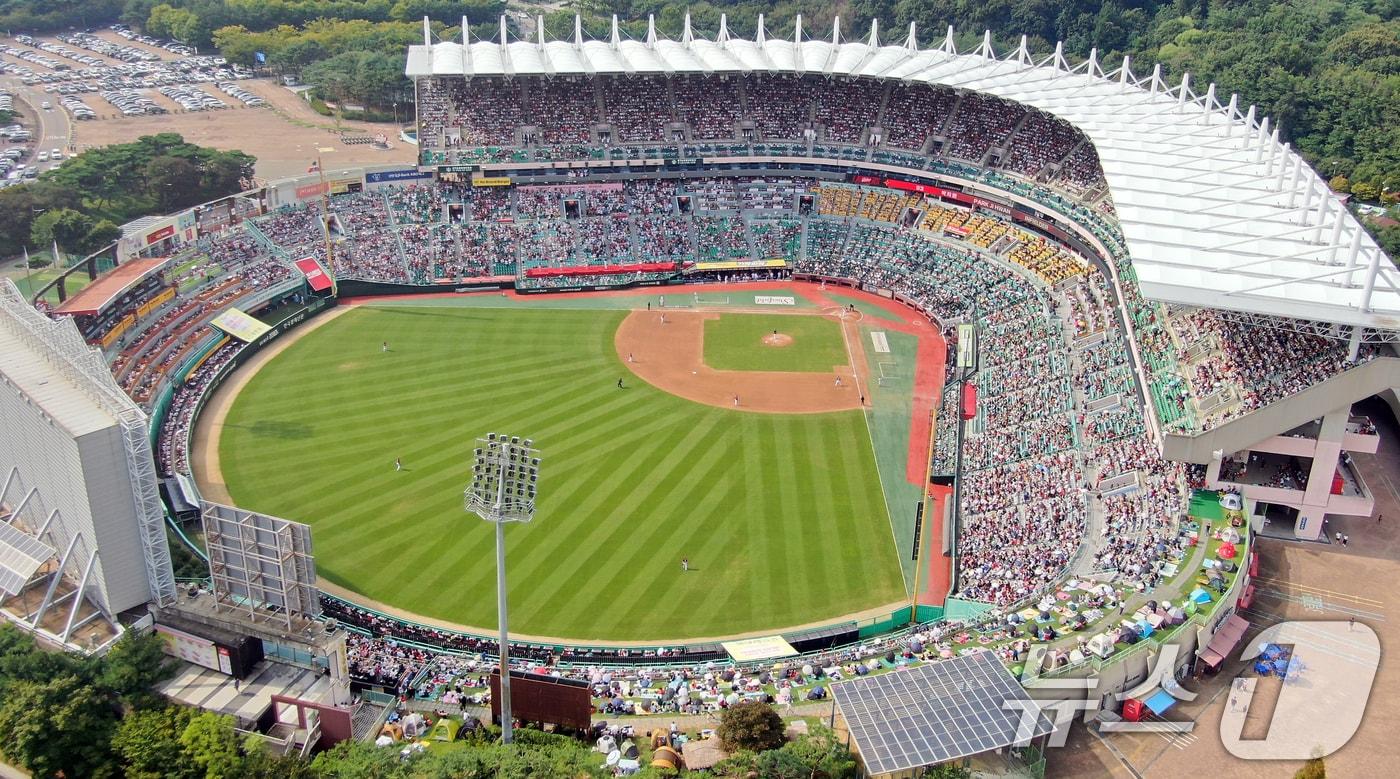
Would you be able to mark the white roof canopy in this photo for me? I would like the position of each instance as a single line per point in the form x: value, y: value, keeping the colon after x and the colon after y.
x: 1215, y: 211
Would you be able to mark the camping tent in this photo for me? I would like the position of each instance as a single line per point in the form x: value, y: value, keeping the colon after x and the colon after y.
x: 445, y: 729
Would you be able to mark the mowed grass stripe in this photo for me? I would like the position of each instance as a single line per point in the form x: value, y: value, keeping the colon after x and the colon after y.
x: 632, y: 480
x: 654, y: 549
x: 612, y: 537
x: 702, y: 536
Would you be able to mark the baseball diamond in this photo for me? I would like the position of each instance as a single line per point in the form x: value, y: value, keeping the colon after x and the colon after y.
x: 780, y: 515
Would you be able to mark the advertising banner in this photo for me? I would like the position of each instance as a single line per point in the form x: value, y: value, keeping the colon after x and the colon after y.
x: 240, y: 325
x: 117, y: 330
x: 315, y: 275
x: 160, y: 235
x: 765, y: 648
x: 192, y: 649
x: 615, y: 186
x: 406, y: 174
x: 775, y: 262
x: 991, y: 205
x: 155, y: 302
x: 491, y: 181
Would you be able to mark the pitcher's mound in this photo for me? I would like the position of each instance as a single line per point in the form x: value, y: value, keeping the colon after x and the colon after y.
x: 777, y: 339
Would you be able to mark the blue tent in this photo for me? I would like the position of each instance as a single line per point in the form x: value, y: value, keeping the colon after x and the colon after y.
x: 1159, y: 702
x: 1199, y: 595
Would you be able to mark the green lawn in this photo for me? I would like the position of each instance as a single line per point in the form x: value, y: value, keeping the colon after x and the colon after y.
x: 32, y: 281
x: 781, y: 516
x: 734, y: 342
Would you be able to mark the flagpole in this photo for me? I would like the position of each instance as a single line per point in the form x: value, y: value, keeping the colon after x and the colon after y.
x: 28, y: 275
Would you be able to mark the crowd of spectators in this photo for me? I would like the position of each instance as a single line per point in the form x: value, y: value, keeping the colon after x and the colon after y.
x: 981, y: 123
x: 173, y: 452
x: 481, y: 120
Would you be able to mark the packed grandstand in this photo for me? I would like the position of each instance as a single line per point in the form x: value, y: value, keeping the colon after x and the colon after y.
x: 1076, y: 369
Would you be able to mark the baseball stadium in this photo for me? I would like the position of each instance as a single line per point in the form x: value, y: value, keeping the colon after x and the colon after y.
x: 837, y: 357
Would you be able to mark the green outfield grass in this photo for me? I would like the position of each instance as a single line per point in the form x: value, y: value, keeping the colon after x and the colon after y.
x: 734, y: 342
x: 782, y: 517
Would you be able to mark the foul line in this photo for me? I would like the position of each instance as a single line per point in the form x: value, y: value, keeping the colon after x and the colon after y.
x: 870, y: 434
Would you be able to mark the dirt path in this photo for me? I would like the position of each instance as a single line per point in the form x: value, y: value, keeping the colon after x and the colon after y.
x: 204, y: 449
x: 670, y: 357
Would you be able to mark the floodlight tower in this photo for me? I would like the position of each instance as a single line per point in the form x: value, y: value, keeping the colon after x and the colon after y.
x: 504, y: 472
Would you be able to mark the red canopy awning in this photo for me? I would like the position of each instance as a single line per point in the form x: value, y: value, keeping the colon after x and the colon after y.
x: 97, y: 296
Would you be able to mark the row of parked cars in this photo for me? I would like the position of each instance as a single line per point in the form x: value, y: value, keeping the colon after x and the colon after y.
x: 174, y: 47
x: 132, y: 103
x: 233, y: 90
x: 193, y: 98
x: 33, y: 56
x: 77, y: 108
x: 62, y: 51
x: 106, y: 48
x: 16, y: 133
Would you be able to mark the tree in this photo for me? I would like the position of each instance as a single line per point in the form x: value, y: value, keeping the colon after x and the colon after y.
x: 211, y: 743
x: 101, y: 234
x: 1364, y: 190
x: 224, y: 173
x: 752, y: 725
x: 59, y: 725
x: 1313, y: 769
x: 148, y: 744
x: 64, y: 225
x: 136, y: 663
x: 174, y: 182
x: 1340, y: 184
x: 356, y: 759
x: 949, y: 771
x: 820, y: 754
x: 168, y: 22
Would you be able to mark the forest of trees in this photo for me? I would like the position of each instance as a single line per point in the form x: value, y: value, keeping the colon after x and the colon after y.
x: 81, y: 203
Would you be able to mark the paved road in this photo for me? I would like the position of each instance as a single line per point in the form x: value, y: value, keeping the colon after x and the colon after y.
x: 51, y: 128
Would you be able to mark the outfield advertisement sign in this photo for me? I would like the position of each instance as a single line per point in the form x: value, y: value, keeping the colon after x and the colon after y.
x: 766, y: 648
x: 240, y: 325
x: 315, y: 275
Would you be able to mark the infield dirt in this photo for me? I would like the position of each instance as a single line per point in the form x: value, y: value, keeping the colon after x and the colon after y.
x: 670, y: 357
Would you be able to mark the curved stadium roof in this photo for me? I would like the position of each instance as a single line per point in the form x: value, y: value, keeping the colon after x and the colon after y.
x: 1215, y: 211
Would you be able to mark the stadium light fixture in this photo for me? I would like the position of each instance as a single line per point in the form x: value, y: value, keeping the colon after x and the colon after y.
x: 505, y: 472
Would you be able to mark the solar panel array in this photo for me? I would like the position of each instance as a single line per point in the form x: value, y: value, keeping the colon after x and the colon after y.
x: 20, y: 556
x: 937, y: 712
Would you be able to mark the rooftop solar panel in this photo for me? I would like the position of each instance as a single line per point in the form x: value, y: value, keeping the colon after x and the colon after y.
x: 20, y: 556
x: 935, y: 713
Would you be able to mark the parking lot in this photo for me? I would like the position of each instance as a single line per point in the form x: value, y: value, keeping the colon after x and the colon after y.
x: 94, y: 76
x: 112, y: 86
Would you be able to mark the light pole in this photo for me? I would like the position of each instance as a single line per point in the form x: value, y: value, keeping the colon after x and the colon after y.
x: 504, y: 474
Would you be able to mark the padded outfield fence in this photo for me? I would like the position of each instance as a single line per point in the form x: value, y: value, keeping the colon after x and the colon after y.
x: 895, y: 625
